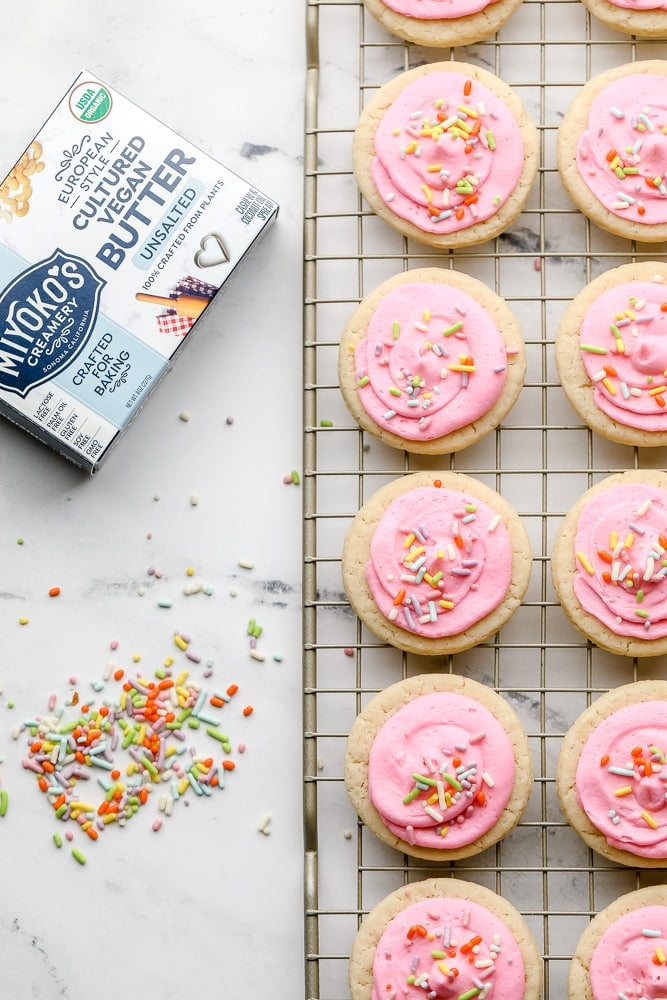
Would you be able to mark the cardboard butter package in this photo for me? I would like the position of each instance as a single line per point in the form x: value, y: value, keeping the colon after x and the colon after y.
x: 115, y: 235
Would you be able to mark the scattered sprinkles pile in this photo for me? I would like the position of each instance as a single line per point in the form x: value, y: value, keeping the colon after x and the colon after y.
x: 160, y: 739
x: 144, y: 739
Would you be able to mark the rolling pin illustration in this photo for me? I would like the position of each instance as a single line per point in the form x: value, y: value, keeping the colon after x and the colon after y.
x: 185, y: 305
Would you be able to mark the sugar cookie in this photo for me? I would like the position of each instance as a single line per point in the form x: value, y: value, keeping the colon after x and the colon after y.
x: 425, y: 935
x: 612, y: 148
x: 446, y: 154
x: 611, y: 354
x: 609, y: 563
x: 435, y: 562
x: 438, y: 766
x: 611, y: 775
x: 431, y: 361
x: 620, y: 954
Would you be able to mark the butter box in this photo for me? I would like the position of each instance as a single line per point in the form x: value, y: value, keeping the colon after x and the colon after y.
x: 115, y: 235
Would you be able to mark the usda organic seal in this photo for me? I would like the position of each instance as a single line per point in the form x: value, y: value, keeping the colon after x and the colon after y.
x: 90, y: 102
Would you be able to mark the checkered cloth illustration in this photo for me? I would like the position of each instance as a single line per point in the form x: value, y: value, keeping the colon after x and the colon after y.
x: 193, y: 286
x: 174, y: 325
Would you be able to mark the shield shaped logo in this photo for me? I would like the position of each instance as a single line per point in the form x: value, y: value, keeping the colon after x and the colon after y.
x: 46, y: 316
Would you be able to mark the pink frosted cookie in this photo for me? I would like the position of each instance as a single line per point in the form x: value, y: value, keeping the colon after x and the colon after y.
x: 435, y: 562
x: 609, y: 563
x: 611, y: 354
x: 612, y: 771
x: 446, y: 154
x: 621, y: 954
x: 612, y: 150
x: 431, y: 361
x: 444, y: 938
x: 644, y: 18
x: 442, y: 23
x: 439, y: 767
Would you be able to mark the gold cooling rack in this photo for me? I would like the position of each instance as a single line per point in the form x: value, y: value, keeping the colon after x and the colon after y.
x: 541, y: 459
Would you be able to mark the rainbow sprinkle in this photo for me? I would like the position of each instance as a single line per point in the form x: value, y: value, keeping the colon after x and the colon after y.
x: 133, y: 746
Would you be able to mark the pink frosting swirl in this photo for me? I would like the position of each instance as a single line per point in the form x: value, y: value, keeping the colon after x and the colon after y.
x: 441, y: 771
x: 623, y: 342
x: 628, y: 960
x: 621, y: 779
x: 444, y: 947
x: 439, y: 561
x: 432, y: 10
x: 622, y: 154
x: 621, y: 552
x: 432, y: 361
x: 448, y: 153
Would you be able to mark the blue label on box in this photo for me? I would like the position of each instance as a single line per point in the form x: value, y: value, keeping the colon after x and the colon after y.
x: 46, y: 315
x: 111, y: 375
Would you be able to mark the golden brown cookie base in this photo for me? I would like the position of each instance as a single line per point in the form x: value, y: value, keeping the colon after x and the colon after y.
x: 385, y: 704
x: 363, y: 152
x: 563, y: 569
x: 355, y: 331
x: 356, y: 552
x: 444, y: 32
x: 642, y: 23
x: 572, y: 371
x: 568, y: 761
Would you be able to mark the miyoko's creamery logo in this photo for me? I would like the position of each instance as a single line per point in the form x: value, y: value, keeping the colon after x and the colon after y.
x: 46, y: 314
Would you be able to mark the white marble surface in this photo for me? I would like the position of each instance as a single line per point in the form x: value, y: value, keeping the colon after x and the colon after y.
x: 207, y: 906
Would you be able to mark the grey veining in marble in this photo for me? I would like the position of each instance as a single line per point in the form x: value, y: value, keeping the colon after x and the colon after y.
x: 195, y: 909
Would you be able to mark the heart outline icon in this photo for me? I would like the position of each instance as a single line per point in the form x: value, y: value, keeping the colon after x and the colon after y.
x: 207, y: 256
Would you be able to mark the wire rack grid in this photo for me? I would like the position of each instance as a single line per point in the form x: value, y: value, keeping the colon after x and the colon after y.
x: 540, y: 459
